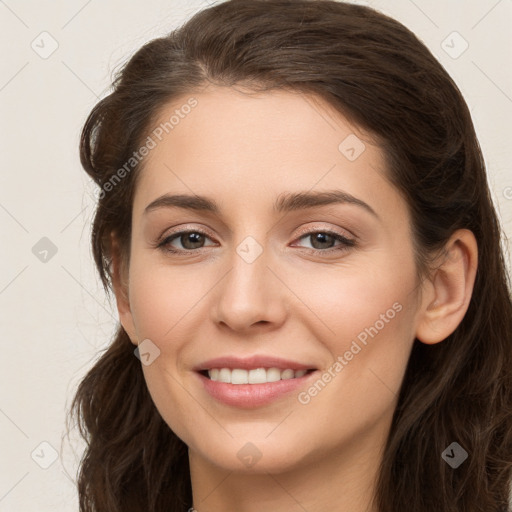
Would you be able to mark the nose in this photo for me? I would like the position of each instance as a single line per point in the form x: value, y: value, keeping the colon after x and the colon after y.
x: 251, y: 295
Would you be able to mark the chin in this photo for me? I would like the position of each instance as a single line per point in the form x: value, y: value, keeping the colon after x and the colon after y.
x: 252, y: 457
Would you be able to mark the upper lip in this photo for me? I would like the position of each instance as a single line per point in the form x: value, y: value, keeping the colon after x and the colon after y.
x: 249, y: 363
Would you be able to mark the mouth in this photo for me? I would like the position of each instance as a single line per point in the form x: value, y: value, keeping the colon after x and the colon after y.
x: 253, y: 381
x: 260, y: 375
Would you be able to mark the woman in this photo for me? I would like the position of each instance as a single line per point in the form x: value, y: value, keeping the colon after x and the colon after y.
x: 368, y: 370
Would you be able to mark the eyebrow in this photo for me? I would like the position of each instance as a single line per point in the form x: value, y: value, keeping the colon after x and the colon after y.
x: 285, y: 202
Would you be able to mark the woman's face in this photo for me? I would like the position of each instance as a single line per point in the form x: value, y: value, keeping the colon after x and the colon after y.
x: 262, y: 281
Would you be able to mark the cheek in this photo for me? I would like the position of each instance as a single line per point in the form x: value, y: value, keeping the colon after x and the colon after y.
x: 370, y: 349
x: 164, y: 303
x: 370, y: 315
x: 161, y: 296
x: 372, y: 295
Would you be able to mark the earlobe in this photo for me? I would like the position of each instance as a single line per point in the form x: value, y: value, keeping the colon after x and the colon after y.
x: 449, y: 289
x: 120, y: 287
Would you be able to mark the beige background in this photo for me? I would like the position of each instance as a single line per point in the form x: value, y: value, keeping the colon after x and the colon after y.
x: 54, y: 314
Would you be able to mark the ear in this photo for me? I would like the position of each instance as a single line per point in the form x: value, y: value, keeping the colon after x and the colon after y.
x: 446, y: 295
x: 119, y: 272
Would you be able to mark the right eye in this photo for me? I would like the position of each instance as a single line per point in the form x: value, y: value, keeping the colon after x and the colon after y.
x: 189, y: 240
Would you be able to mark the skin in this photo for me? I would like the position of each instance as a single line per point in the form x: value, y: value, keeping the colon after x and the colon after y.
x: 244, y: 150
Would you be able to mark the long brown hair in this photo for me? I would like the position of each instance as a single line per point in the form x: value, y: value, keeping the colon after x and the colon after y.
x: 377, y: 73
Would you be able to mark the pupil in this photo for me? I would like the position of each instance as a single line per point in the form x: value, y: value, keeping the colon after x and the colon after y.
x: 192, y: 238
x: 322, y: 237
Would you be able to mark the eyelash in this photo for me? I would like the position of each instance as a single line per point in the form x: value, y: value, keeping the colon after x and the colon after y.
x: 347, y: 243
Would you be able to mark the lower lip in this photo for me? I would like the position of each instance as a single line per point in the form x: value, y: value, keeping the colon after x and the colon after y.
x: 248, y: 396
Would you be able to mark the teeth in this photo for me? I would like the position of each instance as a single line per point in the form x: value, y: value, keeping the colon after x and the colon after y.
x: 273, y: 374
x: 287, y: 374
x: 256, y: 376
x: 225, y: 375
x: 239, y: 377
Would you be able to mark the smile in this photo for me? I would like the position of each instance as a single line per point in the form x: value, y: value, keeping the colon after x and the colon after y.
x: 254, y: 376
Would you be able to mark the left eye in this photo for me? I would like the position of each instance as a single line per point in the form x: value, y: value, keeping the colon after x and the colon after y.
x: 191, y: 240
x: 322, y: 238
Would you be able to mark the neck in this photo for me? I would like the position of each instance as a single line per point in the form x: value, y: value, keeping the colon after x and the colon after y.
x: 343, y: 479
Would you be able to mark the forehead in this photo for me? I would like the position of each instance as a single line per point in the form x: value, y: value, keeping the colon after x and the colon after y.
x: 245, y: 147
